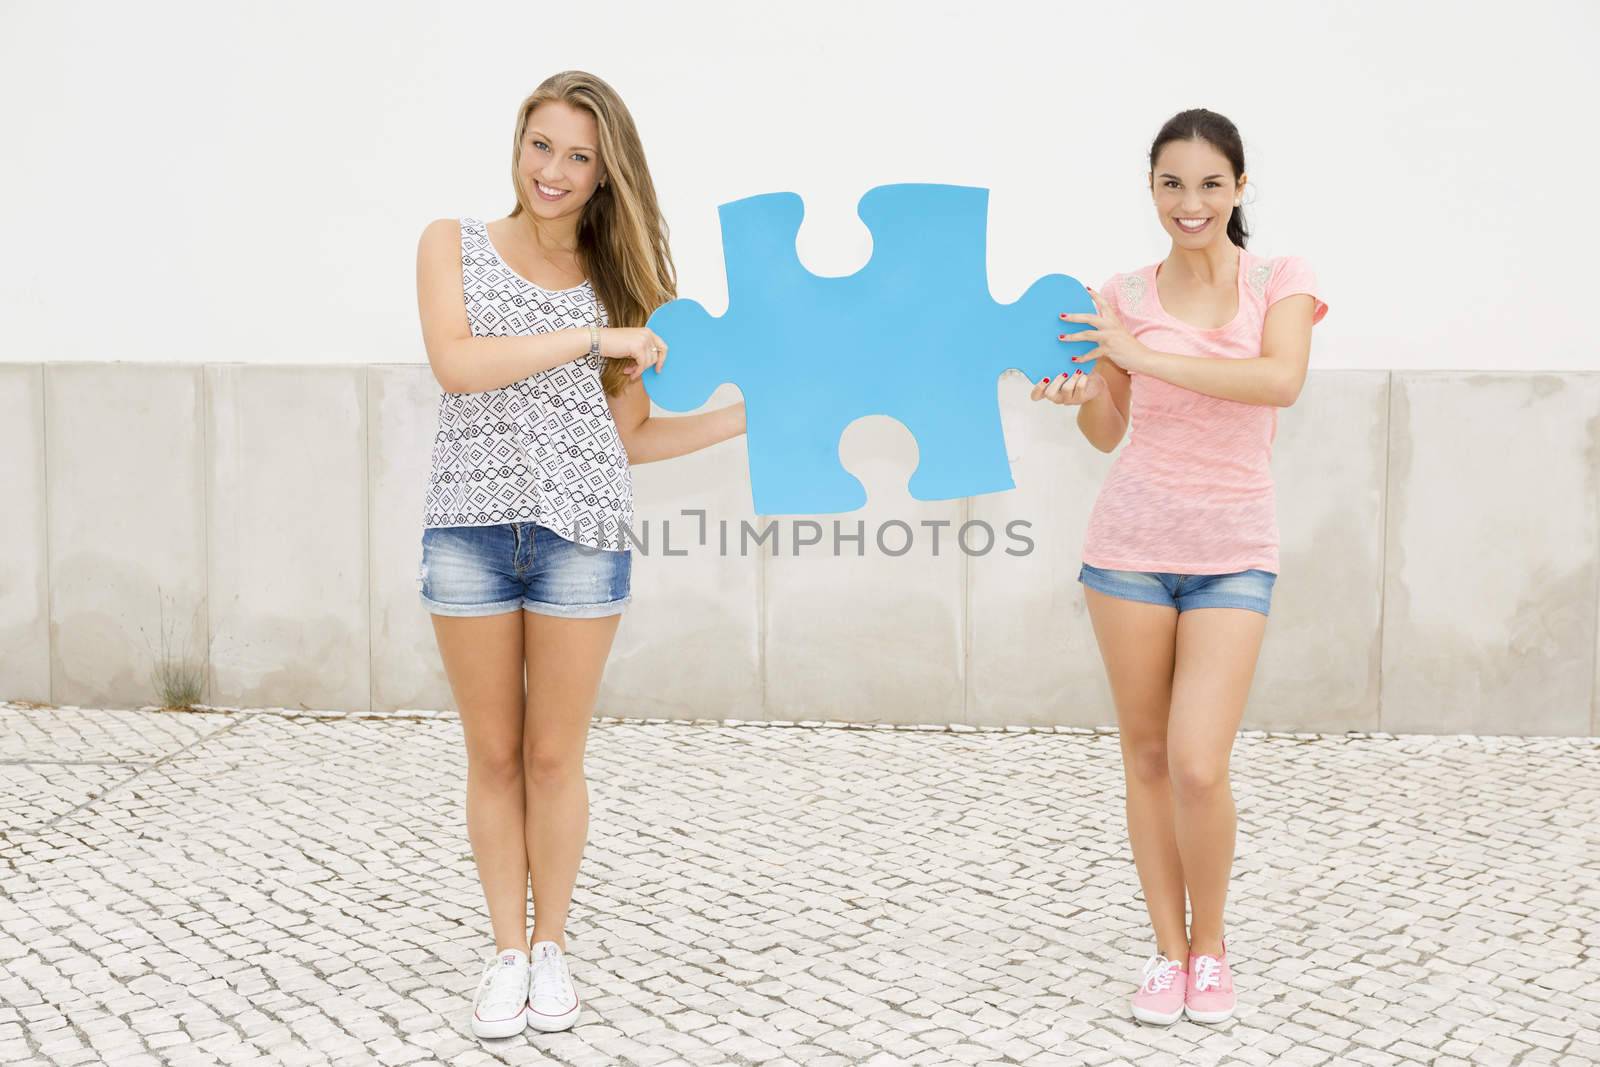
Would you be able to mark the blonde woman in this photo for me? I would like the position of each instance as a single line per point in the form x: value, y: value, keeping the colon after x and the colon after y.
x: 535, y: 329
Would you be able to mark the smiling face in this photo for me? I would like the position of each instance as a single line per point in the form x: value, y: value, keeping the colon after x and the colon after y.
x: 1194, y: 189
x: 558, y: 165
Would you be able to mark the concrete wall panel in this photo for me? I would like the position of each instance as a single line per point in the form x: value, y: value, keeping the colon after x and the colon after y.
x: 689, y: 644
x: 1489, y: 616
x: 869, y: 637
x: 125, y: 460
x: 402, y: 407
x: 288, y: 510
x: 1319, y: 666
x: 24, y: 552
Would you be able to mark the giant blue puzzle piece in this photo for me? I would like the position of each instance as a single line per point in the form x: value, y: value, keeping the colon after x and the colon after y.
x: 913, y: 335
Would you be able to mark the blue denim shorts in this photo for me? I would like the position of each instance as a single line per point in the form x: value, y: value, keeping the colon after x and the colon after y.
x: 488, y: 570
x: 1250, y: 589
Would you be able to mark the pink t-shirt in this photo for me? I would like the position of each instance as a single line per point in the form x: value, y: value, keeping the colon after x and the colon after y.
x: 1191, y: 492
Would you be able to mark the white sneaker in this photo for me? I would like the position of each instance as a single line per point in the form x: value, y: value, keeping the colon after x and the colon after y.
x: 552, y: 1002
x: 500, y: 1008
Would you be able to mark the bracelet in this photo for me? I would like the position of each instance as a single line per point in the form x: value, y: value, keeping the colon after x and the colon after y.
x: 594, y: 342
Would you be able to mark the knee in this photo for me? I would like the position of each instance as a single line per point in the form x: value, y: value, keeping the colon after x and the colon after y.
x: 1197, y: 779
x: 498, y: 767
x: 544, y: 765
x: 1146, y: 761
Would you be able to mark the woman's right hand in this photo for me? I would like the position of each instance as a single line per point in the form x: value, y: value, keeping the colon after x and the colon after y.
x: 1069, y: 388
x: 638, y: 345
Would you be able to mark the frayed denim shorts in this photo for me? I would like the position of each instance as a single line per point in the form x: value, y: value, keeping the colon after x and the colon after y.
x: 1250, y: 589
x: 489, y: 570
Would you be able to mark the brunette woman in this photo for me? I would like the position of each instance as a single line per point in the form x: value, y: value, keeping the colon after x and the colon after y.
x: 1197, y: 352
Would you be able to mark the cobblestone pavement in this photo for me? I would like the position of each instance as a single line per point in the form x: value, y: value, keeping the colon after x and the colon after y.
x: 277, y: 887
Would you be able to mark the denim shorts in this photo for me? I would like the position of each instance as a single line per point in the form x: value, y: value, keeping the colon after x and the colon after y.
x: 488, y: 570
x: 1250, y: 589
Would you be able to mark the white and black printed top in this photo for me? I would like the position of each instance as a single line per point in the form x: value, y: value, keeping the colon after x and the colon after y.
x: 545, y: 449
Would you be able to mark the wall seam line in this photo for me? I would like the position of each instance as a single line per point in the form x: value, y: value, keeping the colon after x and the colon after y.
x: 1383, y: 548
x: 208, y: 692
x: 765, y: 708
x: 966, y: 616
x: 44, y: 473
x: 366, y: 506
x: 1594, y: 691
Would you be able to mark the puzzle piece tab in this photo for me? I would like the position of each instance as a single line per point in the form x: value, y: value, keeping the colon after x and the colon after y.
x: 914, y: 335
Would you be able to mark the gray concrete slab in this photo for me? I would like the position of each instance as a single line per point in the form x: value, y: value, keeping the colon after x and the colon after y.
x: 1034, y: 659
x: 257, y: 521
x: 125, y: 460
x: 1319, y: 666
x: 287, y: 486
x: 1493, y: 538
x: 690, y: 643
x: 402, y: 405
x: 24, y: 549
x: 876, y: 632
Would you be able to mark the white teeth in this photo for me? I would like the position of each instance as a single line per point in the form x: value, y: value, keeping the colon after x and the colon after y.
x: 1193, y: 224
x: 547, y: 191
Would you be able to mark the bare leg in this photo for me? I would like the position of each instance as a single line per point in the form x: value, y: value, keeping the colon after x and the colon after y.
x: 1136, y: 641
x: 1216, y: 660
x: 565, y: 660
x: 483, y: 660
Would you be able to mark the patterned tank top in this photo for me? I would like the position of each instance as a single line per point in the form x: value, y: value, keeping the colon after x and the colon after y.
x: 545, y: 449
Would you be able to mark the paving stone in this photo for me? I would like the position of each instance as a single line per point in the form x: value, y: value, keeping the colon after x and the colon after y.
x: 287, y: 887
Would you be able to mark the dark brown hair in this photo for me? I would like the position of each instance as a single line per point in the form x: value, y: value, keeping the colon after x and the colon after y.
x: 1198, y: 124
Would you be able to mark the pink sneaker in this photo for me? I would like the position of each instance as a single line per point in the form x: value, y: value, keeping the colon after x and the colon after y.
x: 1161, y: 991
x: 1210, y: 997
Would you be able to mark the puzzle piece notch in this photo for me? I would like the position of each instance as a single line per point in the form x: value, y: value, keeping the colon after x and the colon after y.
x: 806, y: 350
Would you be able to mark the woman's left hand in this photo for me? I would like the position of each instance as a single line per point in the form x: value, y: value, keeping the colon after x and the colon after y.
x: 1112, y: 339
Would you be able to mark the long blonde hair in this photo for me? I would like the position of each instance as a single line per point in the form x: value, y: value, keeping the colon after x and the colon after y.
x: 622, y: 239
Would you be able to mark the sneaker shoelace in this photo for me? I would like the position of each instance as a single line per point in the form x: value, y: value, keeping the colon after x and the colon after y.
x: 500, y: 989
x: 550, y: 980
x: 1207, y: 973
x: 1159, y: 974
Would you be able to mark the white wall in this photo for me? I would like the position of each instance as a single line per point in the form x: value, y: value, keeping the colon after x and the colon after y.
x: 229, y: 181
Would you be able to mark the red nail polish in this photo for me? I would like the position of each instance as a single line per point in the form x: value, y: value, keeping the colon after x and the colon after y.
x: 1061, y: 337
x: 1063, y: 314
x: 1078, y: 371
x: 1044, y: 381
